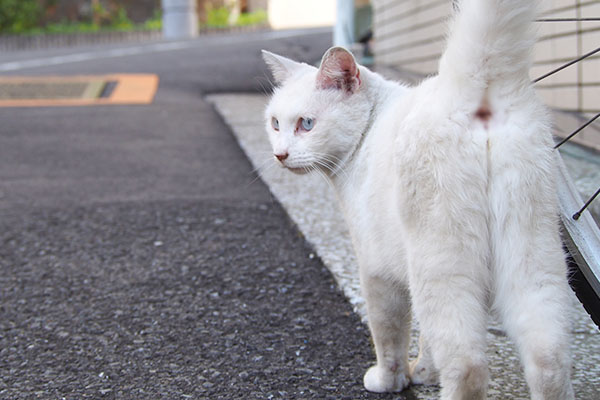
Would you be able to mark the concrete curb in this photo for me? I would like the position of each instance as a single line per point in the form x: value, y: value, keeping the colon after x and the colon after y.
x: 311, y: 204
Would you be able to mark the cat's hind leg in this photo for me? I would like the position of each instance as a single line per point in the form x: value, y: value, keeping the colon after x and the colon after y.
x: 451, y: 308
x: 422, y: 369
x: 533, y: 306
x: 532, y: 298
x: 531, y: 291
x: 388, y: 309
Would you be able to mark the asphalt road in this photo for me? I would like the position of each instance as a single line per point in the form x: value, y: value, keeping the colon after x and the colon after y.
x: 140, y: 258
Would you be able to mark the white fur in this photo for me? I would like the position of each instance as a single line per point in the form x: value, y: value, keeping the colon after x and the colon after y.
x: 449, y: 211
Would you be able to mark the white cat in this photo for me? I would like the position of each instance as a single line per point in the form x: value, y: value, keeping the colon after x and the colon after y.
x: 449, y: 194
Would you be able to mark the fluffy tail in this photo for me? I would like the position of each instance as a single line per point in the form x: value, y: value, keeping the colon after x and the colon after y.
x: 490, y: 42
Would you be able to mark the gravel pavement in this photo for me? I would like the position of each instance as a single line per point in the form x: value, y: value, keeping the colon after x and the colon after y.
x: 140, y: 258
x: 177, y: 299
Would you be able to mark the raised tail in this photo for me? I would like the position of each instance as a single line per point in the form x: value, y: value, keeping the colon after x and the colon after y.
x: 490, y: 41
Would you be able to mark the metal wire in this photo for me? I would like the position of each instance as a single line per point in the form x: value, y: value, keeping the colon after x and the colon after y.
x: 587, y: 203
x: 582, y: 127
x: 591, y: 53
x: 566, y: 19
x: 577, y: 131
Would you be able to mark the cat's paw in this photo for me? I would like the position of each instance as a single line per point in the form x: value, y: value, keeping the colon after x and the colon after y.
x: 380, y: 380
x: 423, y: 373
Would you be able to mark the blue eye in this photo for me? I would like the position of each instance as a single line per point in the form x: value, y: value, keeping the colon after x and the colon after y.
x: 307, y: 123
x: 275, y: 123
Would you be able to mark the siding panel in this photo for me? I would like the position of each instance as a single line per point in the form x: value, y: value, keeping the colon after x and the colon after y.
x: 409, y: 34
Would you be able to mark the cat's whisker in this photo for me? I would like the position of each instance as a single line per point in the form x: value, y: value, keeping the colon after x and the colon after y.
x: 267, y: 154
x: 261, y: 169
x: 253, y: 180
x: 325, y: 177
x: 329, y: 161
x: 267, y: 89
x: 339, y: 169
x: 326, y: 156
x: 330, y: 158
x: 323, y: 164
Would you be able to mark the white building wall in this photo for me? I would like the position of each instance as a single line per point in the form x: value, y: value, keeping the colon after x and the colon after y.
x: 286, y: 14
x: 410, y: 35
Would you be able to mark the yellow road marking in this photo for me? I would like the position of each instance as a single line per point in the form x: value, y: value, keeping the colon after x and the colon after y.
x: 130, y: 89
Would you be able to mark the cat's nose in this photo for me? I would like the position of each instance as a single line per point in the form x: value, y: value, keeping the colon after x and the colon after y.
x: 282, y: 156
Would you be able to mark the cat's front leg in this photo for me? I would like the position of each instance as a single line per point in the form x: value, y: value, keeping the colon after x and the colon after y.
x: 388, y: 308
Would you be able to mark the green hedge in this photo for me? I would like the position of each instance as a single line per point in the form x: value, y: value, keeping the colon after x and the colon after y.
x: 219, y: 18
x: 25, y: 16
x: 19, y: 15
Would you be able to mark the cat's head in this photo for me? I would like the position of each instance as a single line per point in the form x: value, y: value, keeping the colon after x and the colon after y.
x: 316, y: 116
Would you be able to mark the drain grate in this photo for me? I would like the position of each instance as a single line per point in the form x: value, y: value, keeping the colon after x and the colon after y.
x: 51, y: 90
x: 108, y: 88
x: 77, y: 90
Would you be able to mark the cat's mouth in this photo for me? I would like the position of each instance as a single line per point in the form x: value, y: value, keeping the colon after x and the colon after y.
x: 298, y: 170
x: 293, y: 166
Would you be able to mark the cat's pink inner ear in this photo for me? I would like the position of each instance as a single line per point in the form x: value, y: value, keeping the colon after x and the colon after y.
x: 338, y: 71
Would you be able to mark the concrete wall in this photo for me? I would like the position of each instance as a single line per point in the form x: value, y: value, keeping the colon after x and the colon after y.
x: 300, y: 14
x: 410, y: 34
x: 577, y: 87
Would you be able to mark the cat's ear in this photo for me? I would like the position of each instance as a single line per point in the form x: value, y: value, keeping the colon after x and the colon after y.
x: 280, y: 67
x: 338, y: 71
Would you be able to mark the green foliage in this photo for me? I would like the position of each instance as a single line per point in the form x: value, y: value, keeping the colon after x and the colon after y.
x: 257, y: 17
x: 116, y: 21
x: 154, y: 23
x: 217, y: 17
x: 120, y: 21
x: 24, y: 16
x: 98, y: 10
x: 19, y: 15
x: 67, y: 27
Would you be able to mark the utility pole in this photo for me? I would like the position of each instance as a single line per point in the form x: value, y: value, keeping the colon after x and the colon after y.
x: 180, y: 19
x: 343, y: 31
